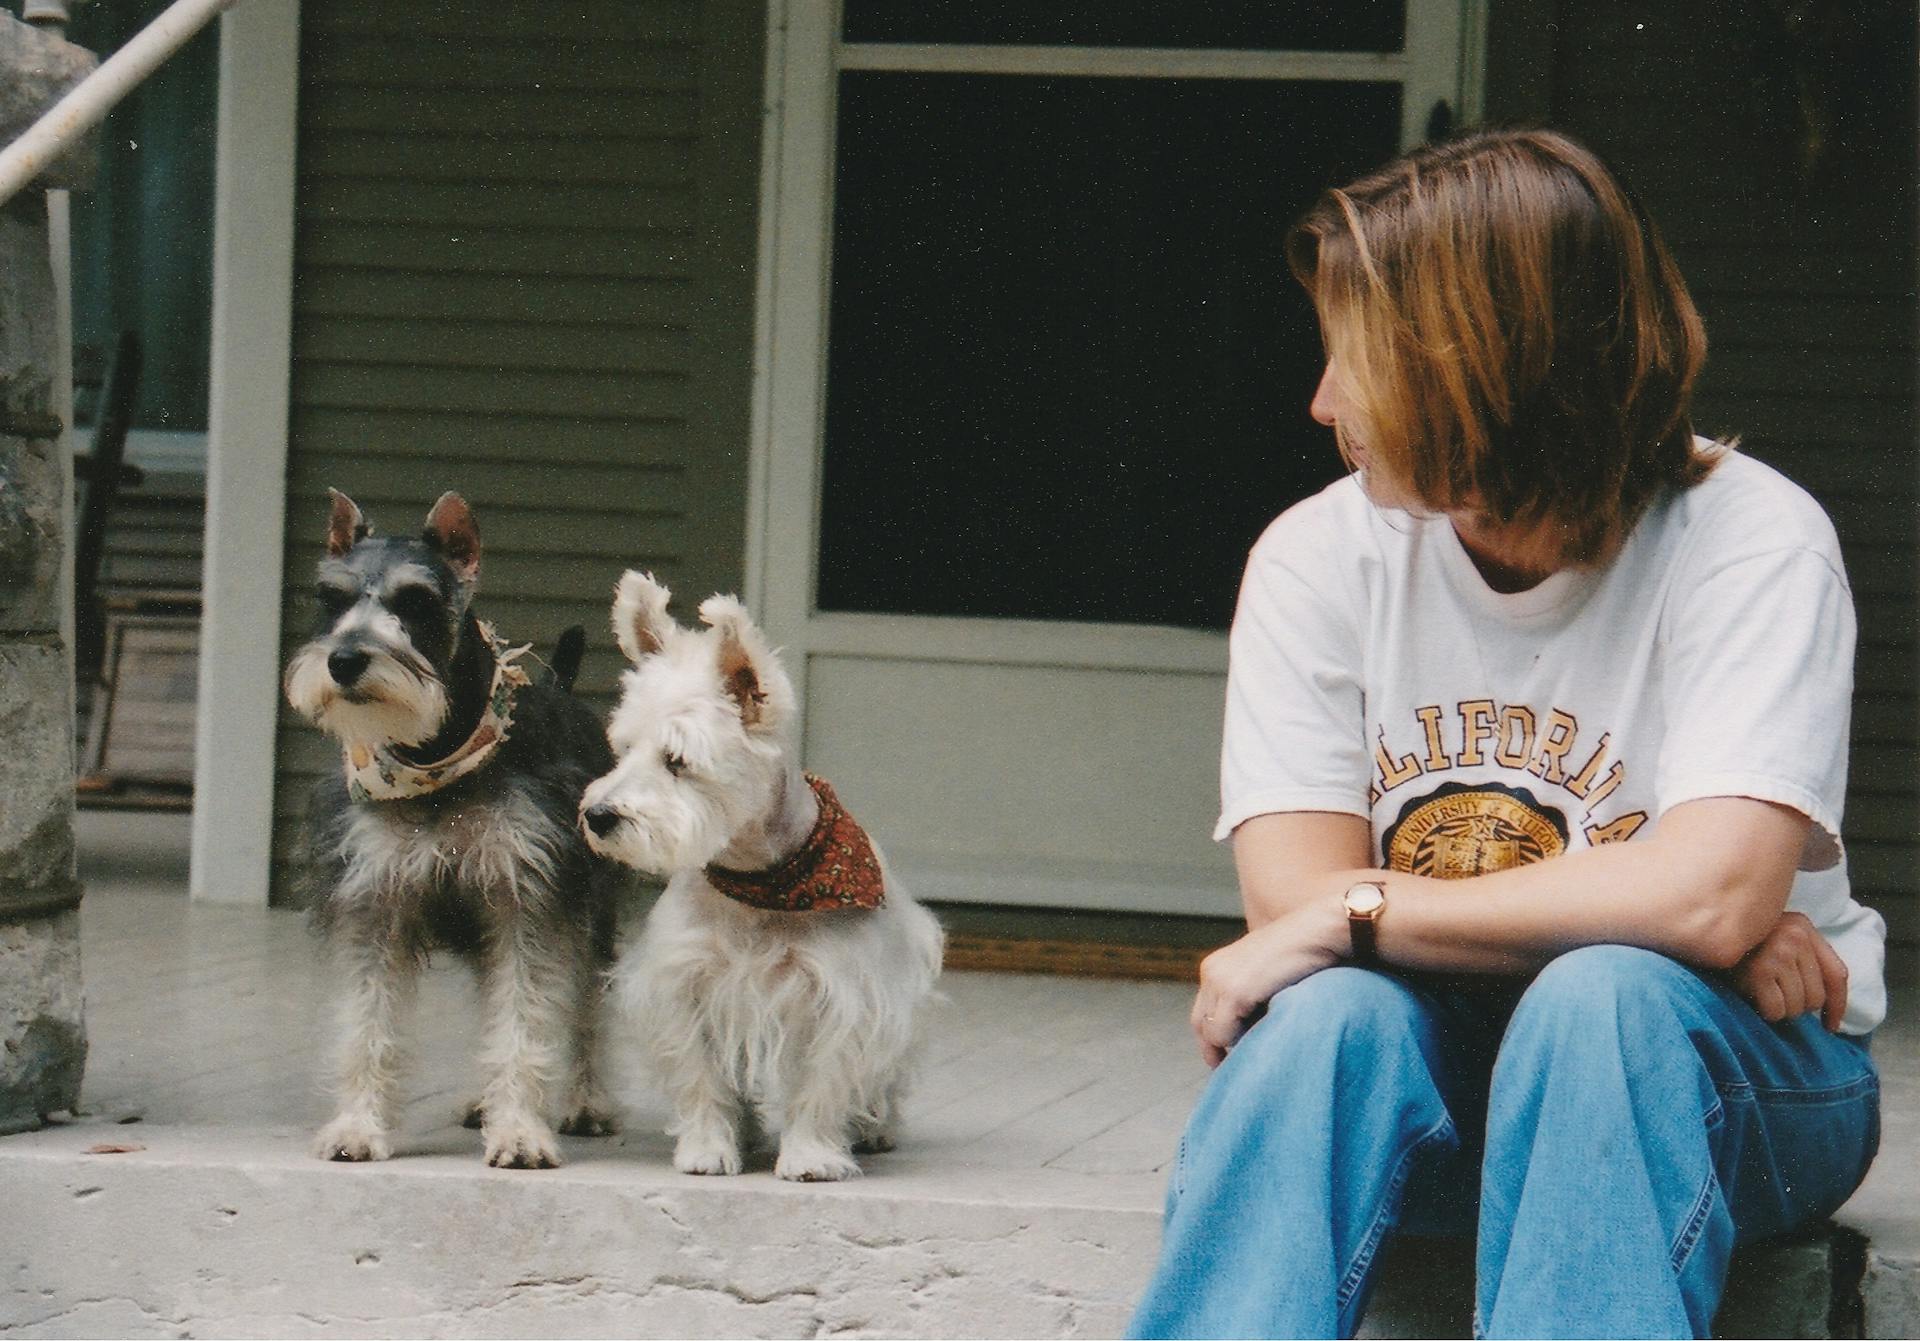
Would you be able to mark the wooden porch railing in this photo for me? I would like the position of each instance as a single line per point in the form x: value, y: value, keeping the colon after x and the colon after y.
x: 88, y: 104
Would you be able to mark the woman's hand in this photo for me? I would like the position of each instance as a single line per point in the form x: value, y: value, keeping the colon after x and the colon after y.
x: 1237, y: 980
x: 1794, y: 971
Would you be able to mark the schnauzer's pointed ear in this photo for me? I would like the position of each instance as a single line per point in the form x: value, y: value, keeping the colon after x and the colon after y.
x: 748, y: 668
x: 640, y: 622
x: 345, y: 526
x: 451, y: 530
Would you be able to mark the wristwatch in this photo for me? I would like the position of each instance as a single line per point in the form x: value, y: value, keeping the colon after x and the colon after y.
x: 1365, y: 902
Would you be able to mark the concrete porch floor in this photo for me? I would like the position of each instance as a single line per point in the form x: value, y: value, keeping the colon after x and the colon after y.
x: 1024, y: 1200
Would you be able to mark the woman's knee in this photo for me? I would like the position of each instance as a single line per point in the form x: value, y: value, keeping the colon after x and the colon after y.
x: 1341, y: 1010
x: 1345, y: 997
x: 1617, y: 1000
x: 1607, y: 976
x: 1346, y: 1041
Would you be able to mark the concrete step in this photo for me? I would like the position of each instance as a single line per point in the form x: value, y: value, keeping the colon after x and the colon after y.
x: 1807, y: 1285
x: 204, y: 1231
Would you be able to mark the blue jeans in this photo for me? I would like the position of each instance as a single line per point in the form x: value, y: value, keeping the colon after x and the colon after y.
x: 1618, y: 1124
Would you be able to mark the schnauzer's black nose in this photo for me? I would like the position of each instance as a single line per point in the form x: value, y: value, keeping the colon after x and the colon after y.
x: 603, y: 820
x: 347, y: 665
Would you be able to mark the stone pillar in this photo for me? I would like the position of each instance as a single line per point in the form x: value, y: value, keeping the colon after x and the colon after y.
x: 43, y: 1042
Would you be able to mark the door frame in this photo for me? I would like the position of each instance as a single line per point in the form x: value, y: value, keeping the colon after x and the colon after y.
x: 1444, y: 57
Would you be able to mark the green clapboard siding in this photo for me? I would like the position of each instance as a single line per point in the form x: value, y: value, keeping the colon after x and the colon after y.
x: 1806, y: 281
x: 524, y: 270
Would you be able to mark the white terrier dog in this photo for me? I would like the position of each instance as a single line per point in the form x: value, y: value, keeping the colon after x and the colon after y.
x: 782, y: 969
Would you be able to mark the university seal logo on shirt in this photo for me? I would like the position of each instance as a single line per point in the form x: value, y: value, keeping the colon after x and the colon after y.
x: 1462, y: 830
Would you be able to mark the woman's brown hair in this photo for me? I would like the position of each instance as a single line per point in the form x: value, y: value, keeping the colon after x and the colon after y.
x: 1515, y: 335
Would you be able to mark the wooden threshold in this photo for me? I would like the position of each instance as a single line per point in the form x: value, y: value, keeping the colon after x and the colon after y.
x: 975, y: 953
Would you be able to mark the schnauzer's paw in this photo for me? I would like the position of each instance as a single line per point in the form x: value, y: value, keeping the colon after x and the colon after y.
x: 814, y: 1162
x: 352, y: 1140
x: 709, y: 1154
x: 874, y: 1143
x: 474, y: 1116
x: 589, y: 1121
x: 521, y: 1145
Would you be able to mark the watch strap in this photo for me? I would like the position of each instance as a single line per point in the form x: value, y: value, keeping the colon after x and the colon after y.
x: 1365, y: 945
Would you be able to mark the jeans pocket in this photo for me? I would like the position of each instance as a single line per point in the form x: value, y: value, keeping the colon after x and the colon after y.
x: 1799, y: 1154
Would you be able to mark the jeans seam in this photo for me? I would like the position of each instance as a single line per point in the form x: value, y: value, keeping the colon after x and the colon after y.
x: 1697, y: 1218
x: 1739, y: 1091
x: 1363, y: 1259
x: 1696, y: 1222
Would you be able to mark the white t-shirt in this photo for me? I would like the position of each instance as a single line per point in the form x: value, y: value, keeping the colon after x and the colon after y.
x: 1375, y: 673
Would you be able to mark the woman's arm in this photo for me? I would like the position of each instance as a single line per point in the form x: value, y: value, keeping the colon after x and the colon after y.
x: 1277, y: 857
x: 1706, y: 886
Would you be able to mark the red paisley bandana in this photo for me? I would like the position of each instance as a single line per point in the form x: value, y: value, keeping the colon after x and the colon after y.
x: 834, y: 868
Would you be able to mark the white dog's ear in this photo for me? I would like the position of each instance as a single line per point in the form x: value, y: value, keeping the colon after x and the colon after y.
x: 640, y: 622
x: 345, y: 526
x: 748, y: 668
x: 452, y: 530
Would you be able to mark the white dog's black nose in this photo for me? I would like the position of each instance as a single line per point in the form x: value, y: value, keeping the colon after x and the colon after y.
x: 347, y: 665
x: 603, y: 820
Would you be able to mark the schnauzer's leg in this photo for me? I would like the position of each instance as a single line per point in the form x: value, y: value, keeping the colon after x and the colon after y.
x: 816, y: 1142
x: 586, y: 1110
x: 379, y: 989
x: 710, y: 1115
x: 529, y: 1006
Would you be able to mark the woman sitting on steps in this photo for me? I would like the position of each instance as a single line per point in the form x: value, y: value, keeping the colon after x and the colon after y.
x: 1535, y: 754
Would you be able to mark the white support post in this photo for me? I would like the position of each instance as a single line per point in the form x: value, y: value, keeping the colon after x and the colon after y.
x: 246, y: 453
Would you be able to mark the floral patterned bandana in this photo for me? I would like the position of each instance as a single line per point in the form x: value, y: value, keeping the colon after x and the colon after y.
x: 376, y: 773
x: 835, y: 868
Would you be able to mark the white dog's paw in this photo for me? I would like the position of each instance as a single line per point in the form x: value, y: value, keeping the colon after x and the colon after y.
x: 804, y: 1161
x: 707, y: 1153
x: 521, y: 1143
x: 352, y: 1138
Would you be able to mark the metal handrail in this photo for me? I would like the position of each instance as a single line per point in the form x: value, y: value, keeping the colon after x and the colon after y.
x: 89, y: 101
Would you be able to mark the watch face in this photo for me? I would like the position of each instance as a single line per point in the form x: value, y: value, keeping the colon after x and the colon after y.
x: 1365, y: 900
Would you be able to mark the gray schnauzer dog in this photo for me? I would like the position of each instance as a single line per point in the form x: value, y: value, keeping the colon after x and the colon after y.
x: 452, y: 825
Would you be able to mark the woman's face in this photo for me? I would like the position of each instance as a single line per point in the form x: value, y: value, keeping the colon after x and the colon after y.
x: 1330, y: 397
x: 1333, y: 406
x: 1516, y: 551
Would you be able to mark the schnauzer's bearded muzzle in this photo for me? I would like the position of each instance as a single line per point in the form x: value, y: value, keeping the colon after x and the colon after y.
x: 618, y: 836
x: 655, y: 832
x: 362, y: 694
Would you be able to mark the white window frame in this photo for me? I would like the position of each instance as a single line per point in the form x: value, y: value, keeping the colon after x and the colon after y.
x: 1443, y: 59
